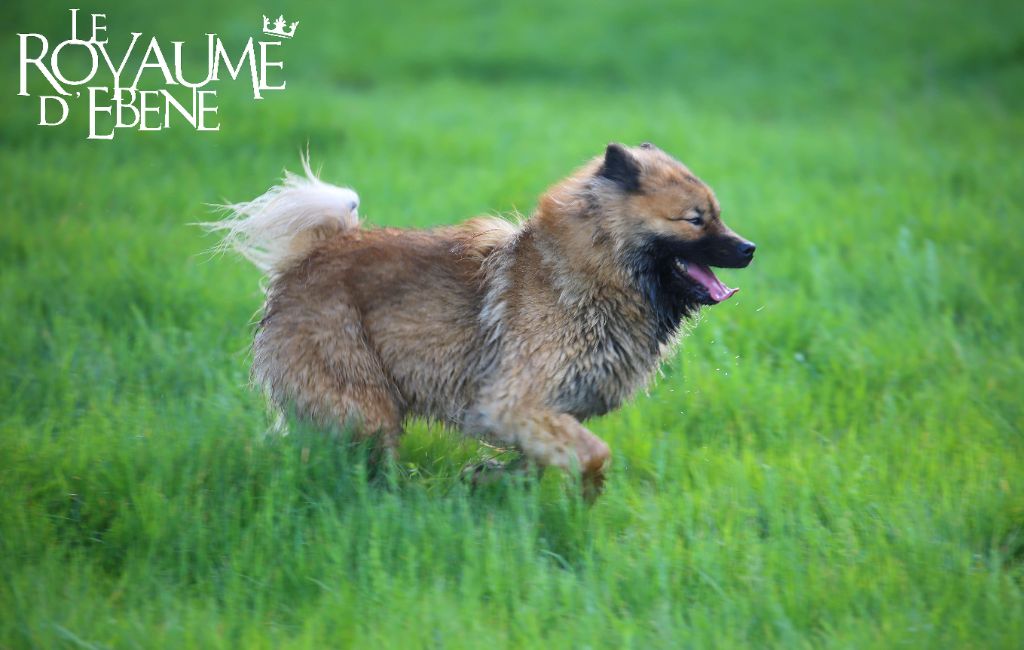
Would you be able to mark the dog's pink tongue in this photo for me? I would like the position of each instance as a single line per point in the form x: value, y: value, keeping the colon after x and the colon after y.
x: 706, y: 277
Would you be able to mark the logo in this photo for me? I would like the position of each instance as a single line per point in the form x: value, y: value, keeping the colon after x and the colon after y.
x: 117, y: 85
x: 279, y: 29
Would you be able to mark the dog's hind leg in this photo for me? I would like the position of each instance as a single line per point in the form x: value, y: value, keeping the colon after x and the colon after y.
x: 371, y: 412
x: 324, y: 367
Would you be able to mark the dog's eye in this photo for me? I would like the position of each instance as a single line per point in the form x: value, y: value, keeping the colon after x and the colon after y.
x: 696, y: 217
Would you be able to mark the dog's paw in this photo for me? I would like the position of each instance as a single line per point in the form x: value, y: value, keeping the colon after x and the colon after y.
x: 484, y: 472
x: 491, y: 471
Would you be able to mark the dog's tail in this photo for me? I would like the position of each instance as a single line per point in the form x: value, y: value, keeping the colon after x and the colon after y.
x: 277, y: 229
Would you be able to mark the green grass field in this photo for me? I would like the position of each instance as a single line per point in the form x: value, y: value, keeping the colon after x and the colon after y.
x: 833, y: 458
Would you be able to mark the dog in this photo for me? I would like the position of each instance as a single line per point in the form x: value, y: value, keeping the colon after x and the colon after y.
x: 512, y: 332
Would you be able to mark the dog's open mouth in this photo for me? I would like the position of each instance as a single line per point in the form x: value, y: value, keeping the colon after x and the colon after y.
x: 705, y: 277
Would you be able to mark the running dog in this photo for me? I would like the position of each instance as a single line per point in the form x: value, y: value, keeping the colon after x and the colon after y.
x: 514, y: 332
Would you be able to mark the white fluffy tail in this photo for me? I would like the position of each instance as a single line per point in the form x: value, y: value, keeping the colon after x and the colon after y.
x: 278, y: 228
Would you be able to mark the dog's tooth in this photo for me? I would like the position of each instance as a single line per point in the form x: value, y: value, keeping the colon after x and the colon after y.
x: 682, y: 265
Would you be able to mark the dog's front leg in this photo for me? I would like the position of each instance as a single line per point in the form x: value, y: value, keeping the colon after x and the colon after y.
x: 548, y: 438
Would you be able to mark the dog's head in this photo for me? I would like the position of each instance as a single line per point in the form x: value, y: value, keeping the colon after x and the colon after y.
x: 665, y: 224
x: 640, y: 211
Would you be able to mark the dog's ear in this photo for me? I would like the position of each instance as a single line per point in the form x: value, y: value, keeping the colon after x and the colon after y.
x: 620, y: 166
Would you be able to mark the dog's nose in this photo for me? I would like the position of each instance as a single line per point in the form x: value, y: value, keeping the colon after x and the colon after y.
x: 747, y: 249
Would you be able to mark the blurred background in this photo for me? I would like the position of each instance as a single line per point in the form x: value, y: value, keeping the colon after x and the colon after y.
x: 832, y: 458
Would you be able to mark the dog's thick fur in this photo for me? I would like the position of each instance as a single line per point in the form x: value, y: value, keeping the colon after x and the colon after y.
x: 515, y: 332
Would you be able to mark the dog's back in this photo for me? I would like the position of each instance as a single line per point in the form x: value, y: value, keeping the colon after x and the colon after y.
x: 391, y: 315
x: 363, y: 326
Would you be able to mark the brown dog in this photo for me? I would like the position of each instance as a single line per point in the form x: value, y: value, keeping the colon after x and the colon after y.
x: 513, y: 332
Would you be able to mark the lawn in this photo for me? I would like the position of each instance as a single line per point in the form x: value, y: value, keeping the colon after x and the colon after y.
x: 833, y: 458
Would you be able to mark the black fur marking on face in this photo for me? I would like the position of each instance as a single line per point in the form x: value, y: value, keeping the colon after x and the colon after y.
x: 722, y: 251
x: 620, y: 166
x: 671, y: 296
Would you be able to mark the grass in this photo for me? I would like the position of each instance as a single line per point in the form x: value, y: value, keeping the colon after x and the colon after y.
x: 833, y: 458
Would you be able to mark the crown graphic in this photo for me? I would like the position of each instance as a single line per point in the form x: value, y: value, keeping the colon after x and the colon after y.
x: 278, y: 29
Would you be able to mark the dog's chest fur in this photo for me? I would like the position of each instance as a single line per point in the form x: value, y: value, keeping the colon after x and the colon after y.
x: 583, y: 347
x: 608, y: 357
